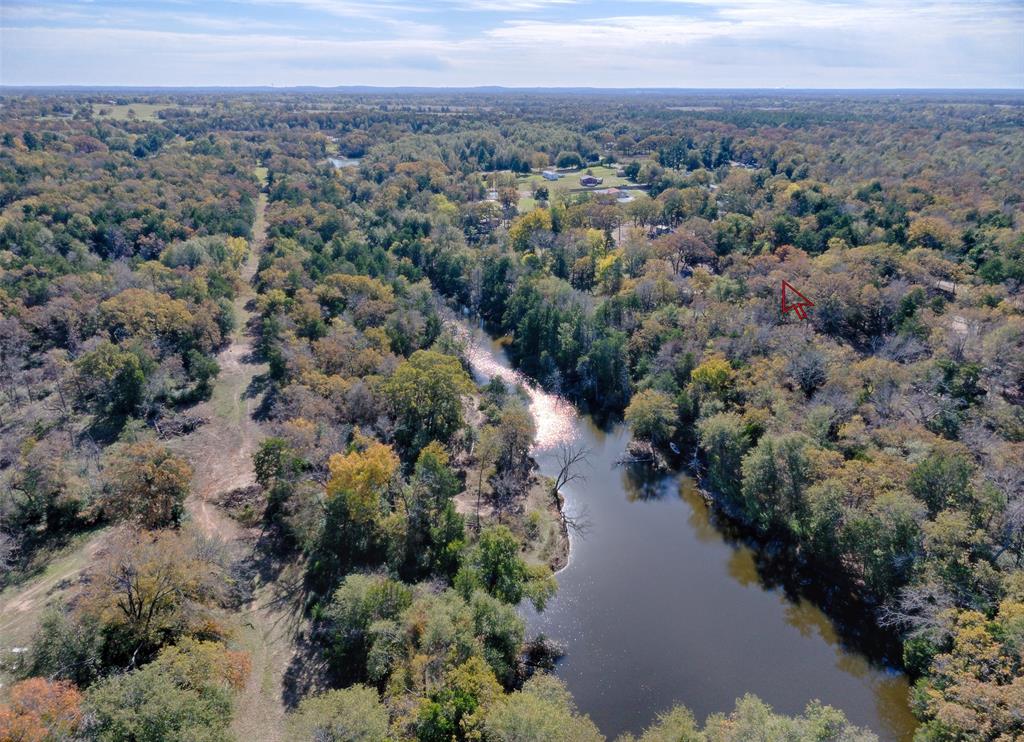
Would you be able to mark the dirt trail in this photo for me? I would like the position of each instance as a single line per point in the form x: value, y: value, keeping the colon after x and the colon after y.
x: 221, y: 450
x: 21, y: 606
x: 221, y: 454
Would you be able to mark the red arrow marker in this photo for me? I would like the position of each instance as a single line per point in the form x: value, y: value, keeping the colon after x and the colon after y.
x: 788, y: 301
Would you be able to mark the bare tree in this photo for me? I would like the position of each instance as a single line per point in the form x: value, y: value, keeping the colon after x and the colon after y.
x: 486, y: 455
x: 921, y: 610
x: 569, y: 459
x: 506, y: 487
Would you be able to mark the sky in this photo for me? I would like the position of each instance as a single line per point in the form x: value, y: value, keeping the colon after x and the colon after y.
x: 521, y: 43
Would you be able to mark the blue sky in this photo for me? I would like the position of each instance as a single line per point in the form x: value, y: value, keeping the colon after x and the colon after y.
x: 603, y: 43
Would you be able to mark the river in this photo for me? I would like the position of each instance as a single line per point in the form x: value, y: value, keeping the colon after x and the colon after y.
x: 658, y: 605
x: 343, y: 162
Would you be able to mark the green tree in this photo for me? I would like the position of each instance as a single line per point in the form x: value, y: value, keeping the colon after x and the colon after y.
x: 451, y: 712
x: 754, y: 719
x: 186, y: 693
x: 274, y: 459
x: 67, y: 646
x: 353, y: 714
x: 652, y: 416
x: 498, y: 629
x: 110, y: 380
x: 942, y: 480
x: 425, y: 394
x: 202, y: 369
x: 724, y: 440
x: 494, y: 565
x: 543, y: 711
x: 883, y: 540
x: 358, y: 603
x: 434, y: 531
x: 775, y: 475
x: 516, y: 431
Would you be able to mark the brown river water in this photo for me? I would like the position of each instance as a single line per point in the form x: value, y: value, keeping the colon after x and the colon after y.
x: 660, y: 605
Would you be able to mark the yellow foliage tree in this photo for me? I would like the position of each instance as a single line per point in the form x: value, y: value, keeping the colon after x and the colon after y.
x: 714, y: 377
x: 931, y: 232
x: 361, y: 477
x: 976, y: 690
x: 238, y: 250
x: 154, y: 586
x: 142, y: 313
x: 145, y: 482
x: 525, y: 226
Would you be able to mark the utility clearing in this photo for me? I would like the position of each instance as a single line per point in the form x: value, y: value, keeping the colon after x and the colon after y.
x: 221, y: 455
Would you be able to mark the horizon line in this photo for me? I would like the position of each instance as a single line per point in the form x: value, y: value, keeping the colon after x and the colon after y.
x: 513, y: 88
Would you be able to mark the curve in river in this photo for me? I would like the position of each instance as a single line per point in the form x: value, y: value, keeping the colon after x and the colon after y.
x: 657, y: 606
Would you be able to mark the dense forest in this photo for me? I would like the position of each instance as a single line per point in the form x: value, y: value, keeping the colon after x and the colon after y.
x: 387, y: 504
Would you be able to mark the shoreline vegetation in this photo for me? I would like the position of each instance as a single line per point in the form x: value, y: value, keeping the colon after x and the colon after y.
x: 829, y: 587
x: 537, y: 517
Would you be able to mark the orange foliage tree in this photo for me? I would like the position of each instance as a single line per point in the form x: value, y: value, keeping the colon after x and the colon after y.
x: 41, y: 711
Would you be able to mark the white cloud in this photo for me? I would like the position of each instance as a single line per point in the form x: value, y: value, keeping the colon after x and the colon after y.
x: 508, y: 6
x: 723, y: 43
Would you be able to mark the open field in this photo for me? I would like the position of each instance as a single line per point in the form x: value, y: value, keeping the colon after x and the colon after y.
x: 571, y: 181
x: 122, y: 112
x: 568, y: 184
x: 526, y: 203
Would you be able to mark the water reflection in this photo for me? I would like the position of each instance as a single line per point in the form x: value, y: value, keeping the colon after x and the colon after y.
x: 743, y: 568
x: 642, y: 484
x: 342, y: 162
x: 664, y: 603
x: 699, y: 519
x: 555, y: 418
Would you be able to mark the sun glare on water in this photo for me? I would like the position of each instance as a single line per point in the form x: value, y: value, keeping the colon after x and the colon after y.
x: 554, y: 416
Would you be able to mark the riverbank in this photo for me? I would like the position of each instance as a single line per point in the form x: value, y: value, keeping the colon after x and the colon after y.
x: 663, y: 601
x: 537, y: 522
x: 536, y: 516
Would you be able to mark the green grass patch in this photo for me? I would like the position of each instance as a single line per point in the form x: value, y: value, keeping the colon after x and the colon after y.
x: 526, y: 203
x: 571, y: 181
x: 123, y: 112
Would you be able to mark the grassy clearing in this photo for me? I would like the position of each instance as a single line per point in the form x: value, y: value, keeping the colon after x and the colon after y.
x: 571, y: 181
x: 568, y: 184
x: 122, y: 111
x: 22, y: 605
x: 526, y: 203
